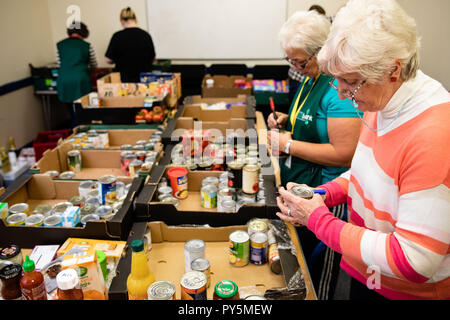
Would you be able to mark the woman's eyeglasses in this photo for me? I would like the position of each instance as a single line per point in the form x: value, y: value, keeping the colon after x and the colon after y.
x: 349, y: 93
x: 299, y: 65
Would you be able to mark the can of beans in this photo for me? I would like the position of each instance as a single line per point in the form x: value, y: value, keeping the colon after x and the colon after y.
x: 239, y: 248
x: 258, y: 248
x: 193, y: 286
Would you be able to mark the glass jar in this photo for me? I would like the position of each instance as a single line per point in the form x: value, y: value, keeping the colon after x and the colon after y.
x: 11, y: 253
x: 10, y: 275
x: 226, y: 290
x: 69, y: 285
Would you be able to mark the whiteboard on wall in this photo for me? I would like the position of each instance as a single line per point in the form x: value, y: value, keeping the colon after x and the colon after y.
x: 216, y: 29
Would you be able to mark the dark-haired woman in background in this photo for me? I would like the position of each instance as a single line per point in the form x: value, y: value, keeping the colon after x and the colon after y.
x: 74, y: 57
x: 131, y: 49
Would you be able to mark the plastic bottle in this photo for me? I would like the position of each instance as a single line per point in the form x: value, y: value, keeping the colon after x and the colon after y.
x: 141, y: 277
x: 69, y: 285
x: 32, y: 283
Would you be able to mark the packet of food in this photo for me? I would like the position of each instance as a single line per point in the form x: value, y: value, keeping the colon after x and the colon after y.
x: 89, y: 272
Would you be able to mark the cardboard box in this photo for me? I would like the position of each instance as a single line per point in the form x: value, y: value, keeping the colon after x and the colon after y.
x: 166, y: 260
x: 224, y: 86
x: 95, y: 163
x: 41, y: 189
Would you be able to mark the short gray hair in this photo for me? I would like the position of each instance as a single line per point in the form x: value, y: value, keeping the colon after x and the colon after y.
x: 367, y: 36
x: 305, y: 30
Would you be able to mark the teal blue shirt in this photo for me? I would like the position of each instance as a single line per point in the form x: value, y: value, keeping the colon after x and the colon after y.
x: 332, y: 107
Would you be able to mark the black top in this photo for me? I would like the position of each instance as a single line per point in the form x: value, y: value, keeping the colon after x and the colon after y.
x: 133, y: 52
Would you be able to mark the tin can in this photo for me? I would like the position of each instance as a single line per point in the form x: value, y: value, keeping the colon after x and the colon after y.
x: 85, y: 187
x: 202, y: 265
x: 149, y: 146
x: 89, y: 217
x: 211, y: 181
x: 53, y: 221
x: 193, y: 249
x: 94, y: 194
x: 126, y: 147
x: 171, y: 200
x: 178, y: 177
x: 162, y: 196
x: 226, y: 193
x: 104, y: 138
x: 258, y: 248
x: 251, y: 161
x: 250, y: 179
x: 209, y: 196
x: 87, y: 209
x: 273, y: 257
x: 92, y: 202
x: 257, y: 225
x: 34, y: 220
x: 74, y: 160
x: 161, y: 290
x: 138, y: 147
x: 235, y: 167
x: 61, y: 207
x: 44, y: 209
x: 239, y: 248
x: 77, y: 201
x: 141, y: 155
x: 133, y: 167
x: 162, y: 182
x: 165, y: 190
x: 227, y: 206
x: 19, y: 208
x: 52, y: 173
x: 126, y: 160
x: 16, y: 219
x: 193, y: 286
x: 104, y: 212
x: 67, y: 175
x: 108, y: 189
x: 248, y: 198
x: 141, y: 142
x: 303, y: 191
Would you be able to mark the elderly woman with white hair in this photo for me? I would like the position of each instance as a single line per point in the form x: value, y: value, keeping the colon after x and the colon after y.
x: 319, y: 137
x: 396, y: 243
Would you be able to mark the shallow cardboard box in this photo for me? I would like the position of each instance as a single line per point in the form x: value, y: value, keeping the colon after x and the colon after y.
x: 41, y: 189
x: 166, y: 260
x: 95, y: 163
x: 224, y: 86
x: 119, y: 137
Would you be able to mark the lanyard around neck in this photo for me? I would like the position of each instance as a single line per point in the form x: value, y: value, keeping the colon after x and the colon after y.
x: 296, y: 110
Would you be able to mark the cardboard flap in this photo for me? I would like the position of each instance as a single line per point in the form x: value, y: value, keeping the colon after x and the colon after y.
x: 49, y: 161
x: 161, y: 232
x: 41, y: 187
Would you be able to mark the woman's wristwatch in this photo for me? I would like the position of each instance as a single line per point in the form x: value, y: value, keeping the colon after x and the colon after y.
x: 288, y: 144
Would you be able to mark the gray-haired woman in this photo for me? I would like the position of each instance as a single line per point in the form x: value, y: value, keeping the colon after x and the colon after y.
x: 397, y: 189
x: 320, y: 137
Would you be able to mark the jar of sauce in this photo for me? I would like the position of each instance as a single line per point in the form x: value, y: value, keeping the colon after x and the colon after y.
x: 10, y: 275
x: 226, y: 290
x: 32, y: 283
x: 69, y: 285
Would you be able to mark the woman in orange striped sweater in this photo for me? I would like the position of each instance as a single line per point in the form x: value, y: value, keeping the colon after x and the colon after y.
x: 396, y: 243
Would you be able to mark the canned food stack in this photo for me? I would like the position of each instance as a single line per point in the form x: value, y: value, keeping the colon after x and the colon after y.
x: 96, y: 200
x: 133, y: 162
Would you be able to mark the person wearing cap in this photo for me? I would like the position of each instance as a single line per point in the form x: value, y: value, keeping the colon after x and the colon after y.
x: 396, y: 243
x: 320, y: 134
x: 75, y: 60
x: 131, y: 49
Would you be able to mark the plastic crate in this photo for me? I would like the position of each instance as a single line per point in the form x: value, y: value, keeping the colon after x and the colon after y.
x: 48, y: 140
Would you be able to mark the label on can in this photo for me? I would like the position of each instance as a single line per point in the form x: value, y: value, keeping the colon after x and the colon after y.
x: 258, y: 248
x: 193, y: 286
x: 250, y: 179
x: 108, y: 189
x: 209, y: 196
x: 239, y: 248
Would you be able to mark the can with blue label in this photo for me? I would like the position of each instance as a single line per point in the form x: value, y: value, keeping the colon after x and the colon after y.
x: 258, y: 248
x: 53, y: 221
x: 108, y: 189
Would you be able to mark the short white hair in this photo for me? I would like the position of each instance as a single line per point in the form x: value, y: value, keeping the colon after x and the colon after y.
x: 367, y: 36
x: 305, y: 30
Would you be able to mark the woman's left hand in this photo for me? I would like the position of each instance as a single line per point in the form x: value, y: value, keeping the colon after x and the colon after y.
x: 295, y: 209
x: 282, y: 137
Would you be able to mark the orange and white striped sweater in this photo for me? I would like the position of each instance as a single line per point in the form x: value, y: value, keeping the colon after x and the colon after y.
x: 397, y: 190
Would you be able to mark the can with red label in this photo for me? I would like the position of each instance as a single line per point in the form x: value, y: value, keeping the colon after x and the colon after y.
x: 178, y: 177
x: 193, y: 286
x: 250, y: 179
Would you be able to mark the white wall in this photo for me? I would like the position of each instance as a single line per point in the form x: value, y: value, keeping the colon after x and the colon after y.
x: 26, y: 38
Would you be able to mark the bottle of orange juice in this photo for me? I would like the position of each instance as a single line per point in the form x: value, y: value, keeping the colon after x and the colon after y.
x: 141, y: 277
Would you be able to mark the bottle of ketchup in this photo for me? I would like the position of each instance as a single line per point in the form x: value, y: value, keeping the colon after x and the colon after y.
x: 32, y: 283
